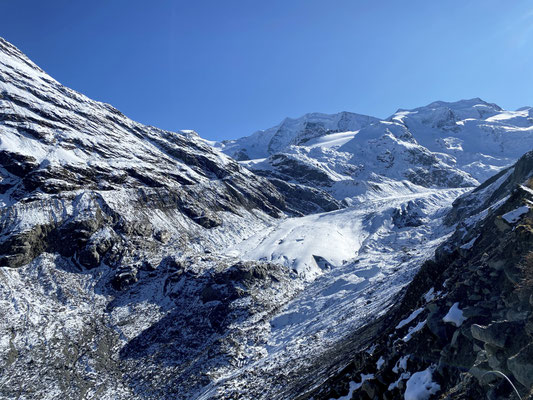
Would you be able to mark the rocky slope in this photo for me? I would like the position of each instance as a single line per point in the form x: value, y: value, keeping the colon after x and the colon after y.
x: 463, y: 327
x: 105, y: 232
x: 72, y: 165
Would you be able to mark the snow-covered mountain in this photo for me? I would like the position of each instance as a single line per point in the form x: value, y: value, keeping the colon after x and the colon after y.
x: 106, y: 231
x: 480, y: 137
x: 137, y: 263
x: 437, y: 146
x: 293, y: 132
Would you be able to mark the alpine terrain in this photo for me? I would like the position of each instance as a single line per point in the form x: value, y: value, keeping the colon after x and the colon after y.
x: 329, y: 257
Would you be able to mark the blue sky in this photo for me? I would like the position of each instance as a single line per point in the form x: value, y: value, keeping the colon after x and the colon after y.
x: 228, y: 68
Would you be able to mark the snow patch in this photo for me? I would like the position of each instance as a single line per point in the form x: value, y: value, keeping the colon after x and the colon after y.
x: 430, y: 295
x: 470, y: 244
x: 420, y: 385
x: 410, y: 318
x: 515, y: 215
x: 455, y: 315
x: 354, y: 386
x: 413, y: 330
x: 401, y: 364
x: 403, y: 376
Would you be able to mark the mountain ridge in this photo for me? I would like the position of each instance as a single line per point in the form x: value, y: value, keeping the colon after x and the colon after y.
x: 458, y: 143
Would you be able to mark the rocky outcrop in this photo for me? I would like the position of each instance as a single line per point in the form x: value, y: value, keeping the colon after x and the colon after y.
x: 492, y: 190
x: 305, y: 199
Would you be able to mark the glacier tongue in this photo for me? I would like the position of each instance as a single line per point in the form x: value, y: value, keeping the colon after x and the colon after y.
x: 391, y: 237
x: 320, y: 242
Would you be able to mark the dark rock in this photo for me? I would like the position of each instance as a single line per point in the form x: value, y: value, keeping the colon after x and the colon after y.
x: 124, y: 278
x: 17, y: 164
x: 369, y: 388
x: 163, y: 236
x: 89, y: 257
x: 408, y: 215
x: 305, y: 199
x: 497, y: 334
x: 521, y: 365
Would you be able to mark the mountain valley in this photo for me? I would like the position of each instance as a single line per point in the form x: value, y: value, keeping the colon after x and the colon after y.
x: 329, y: 257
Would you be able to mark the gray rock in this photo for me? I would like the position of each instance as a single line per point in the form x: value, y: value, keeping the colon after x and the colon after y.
x: 163, y: 236
x: 497, y: 334
x: 521, y: 365
x: 89, y: 257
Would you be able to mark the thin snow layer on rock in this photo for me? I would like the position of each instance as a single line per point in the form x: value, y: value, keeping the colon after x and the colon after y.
x: 401, y: 364
x: 526, y: 189
x: 454, y: 315
x: 45, y: 310
x: 430, y: 295
x: 420, y: 385
x: 413, y: 329
x: 470, y: 243
x: 514, y: 216
x: 402, y: 377
x: 410, y: 318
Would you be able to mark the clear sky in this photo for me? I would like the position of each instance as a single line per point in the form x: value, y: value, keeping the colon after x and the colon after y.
x: 226, y: 68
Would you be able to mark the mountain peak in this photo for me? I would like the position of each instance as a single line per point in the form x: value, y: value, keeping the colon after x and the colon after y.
x: 454, y: 105
x: 294, y: 131
x: 464, y: 103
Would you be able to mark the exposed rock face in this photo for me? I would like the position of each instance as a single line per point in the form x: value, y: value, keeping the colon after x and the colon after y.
x: 493, y: 190
x: 305, y: 199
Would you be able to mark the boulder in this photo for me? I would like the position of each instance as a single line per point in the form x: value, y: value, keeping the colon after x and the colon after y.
x: 497, y: 333
x: 521, y: 365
